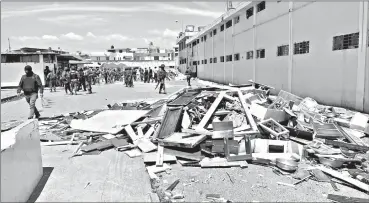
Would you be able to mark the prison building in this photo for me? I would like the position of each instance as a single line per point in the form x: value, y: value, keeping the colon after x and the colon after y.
x: 311, y: 49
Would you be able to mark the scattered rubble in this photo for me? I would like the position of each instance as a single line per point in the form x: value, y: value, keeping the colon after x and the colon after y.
x: 226, y: 126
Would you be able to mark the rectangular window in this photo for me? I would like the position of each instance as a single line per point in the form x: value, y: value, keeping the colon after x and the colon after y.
x: 205, y: 38
x: 249, y: 12
x: 260, y: 53
x: 250, y: 55
x: 202, y: 39
x: 301, y: 48
x: 202, y: 61
x: 222, y: 28
x: 215, y: 60
x: 222, y: 59
x: 215, y: 32
x: 194, y: 63
x: 198, y: 62
x: 198, y: 41
x: 349, y: 41
x: 283, y: 50
x: 261, y: 6
x: 236, y: 19
x: 205, y: 61
x: 229, y: 58
x: 211, y: 34
x: 47, y: 58
x: 229, y: 24
x: 211, y: 60
x: 236, y: 57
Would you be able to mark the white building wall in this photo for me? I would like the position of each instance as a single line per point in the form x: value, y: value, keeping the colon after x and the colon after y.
x: 330, y: 77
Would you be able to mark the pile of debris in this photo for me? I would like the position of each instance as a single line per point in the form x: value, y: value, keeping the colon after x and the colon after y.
x: 227, y: 126
x: 174, y: 74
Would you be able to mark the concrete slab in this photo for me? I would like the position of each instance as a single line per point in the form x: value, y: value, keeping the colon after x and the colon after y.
x: 21, y: 163
x: 110, y: 177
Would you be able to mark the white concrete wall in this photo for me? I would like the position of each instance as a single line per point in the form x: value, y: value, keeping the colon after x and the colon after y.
x: 330, y: 77
x: 21, y: 162
x: 11, y: 73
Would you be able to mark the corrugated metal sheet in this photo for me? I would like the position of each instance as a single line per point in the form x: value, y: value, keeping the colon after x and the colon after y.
x: 184, y: 99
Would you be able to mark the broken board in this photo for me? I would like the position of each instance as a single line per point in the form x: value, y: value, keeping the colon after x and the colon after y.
x: 177, y: 140
x: 109, y: 121
x: 151, y: 157
x: 170, y: 122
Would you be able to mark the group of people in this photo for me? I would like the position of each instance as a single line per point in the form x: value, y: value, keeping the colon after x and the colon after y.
x: 74, y: 80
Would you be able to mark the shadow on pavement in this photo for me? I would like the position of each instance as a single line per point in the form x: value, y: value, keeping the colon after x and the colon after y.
x: 41, y: 184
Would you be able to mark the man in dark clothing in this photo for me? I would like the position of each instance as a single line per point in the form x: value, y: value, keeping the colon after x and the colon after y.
x: 106, y: 76
x: 89, y: 74
x: 156, y: 75
x: 82, y: 80
x: 134, y: 74
x: 52, y: 81
x: 96, y: 75
x: 188, y: 75
x: 162, y: 74
x: 150, y: 75
x: 74, y: 80
x: 66, y: 79
x: 31, y: 84
x: 46, y: 73
x: 146, y: 75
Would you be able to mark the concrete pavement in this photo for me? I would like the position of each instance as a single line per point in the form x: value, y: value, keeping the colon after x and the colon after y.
x: 110, y: 176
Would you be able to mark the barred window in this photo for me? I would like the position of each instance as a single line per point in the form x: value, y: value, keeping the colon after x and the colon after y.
x: 229, y: 58
x: 237, y: 57
x: 349, y: 41
x: 222, y: 59
x: 249, y: 12
x: 211, y: 34
x: 261, y: 6
x: 205, y: 61
x: 215, y: 60
x: 236, y: 19
x: 229, y: 24
x: 211, y: 60
x: 205, y: 38
x: 250, y: 55
x: 222, y: 27
x: 301, y: 48
x: 282, y: 50
x: 260, y: 53
x: 215, y: 32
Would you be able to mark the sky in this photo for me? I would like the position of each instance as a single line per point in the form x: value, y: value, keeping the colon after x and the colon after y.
x: 95, y: 26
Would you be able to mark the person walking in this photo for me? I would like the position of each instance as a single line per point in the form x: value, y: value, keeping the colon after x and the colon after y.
x: 74, y: 80
x: 66, y: 80
x: 52, y: 80
x: 150, y: 75
x: 96, y: 75
x: 31, y: 85
x: 162, y: 74
x: 106, y: 76
x: 188, y: 75
x: 89, y: 74
x: 81, y: 80
x: 146, y: 75
x: 156, y: 74
x: 46, y: 73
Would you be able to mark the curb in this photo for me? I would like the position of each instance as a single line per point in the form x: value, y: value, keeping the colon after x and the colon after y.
x: 10, y: 98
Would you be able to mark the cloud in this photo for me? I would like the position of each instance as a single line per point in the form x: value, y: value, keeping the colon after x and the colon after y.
x: 74, y: 20
x: 72, y: 36
x: 165, y: 38
x: 111, y: 37
x: 75, y: 7
x: 166, y: 33
x: 50, y: 37
x: 25, y: 38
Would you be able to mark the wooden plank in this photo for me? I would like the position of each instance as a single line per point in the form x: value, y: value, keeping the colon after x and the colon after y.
x: 186, y: 120
x: 58, y: 143
x: 177, y: 140
x: 160, y: 156
x: 149, y: 132
x: 249, y: 117
x: 170, y: 122
x: 151, y: 157
x: 218, y: 162
x: 346, y: 145
x: 222, y: 129
x: 210, y: 111
x: 340, y: 176
x: 145, y: 145
x: 197, y: 131
x: 345, y: 199
x: 196, y: 156
x: 131, y: 133
x: 140, y: 132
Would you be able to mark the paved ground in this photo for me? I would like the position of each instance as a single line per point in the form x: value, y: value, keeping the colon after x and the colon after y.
x: 8, y: 92
x: 115, y: 177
